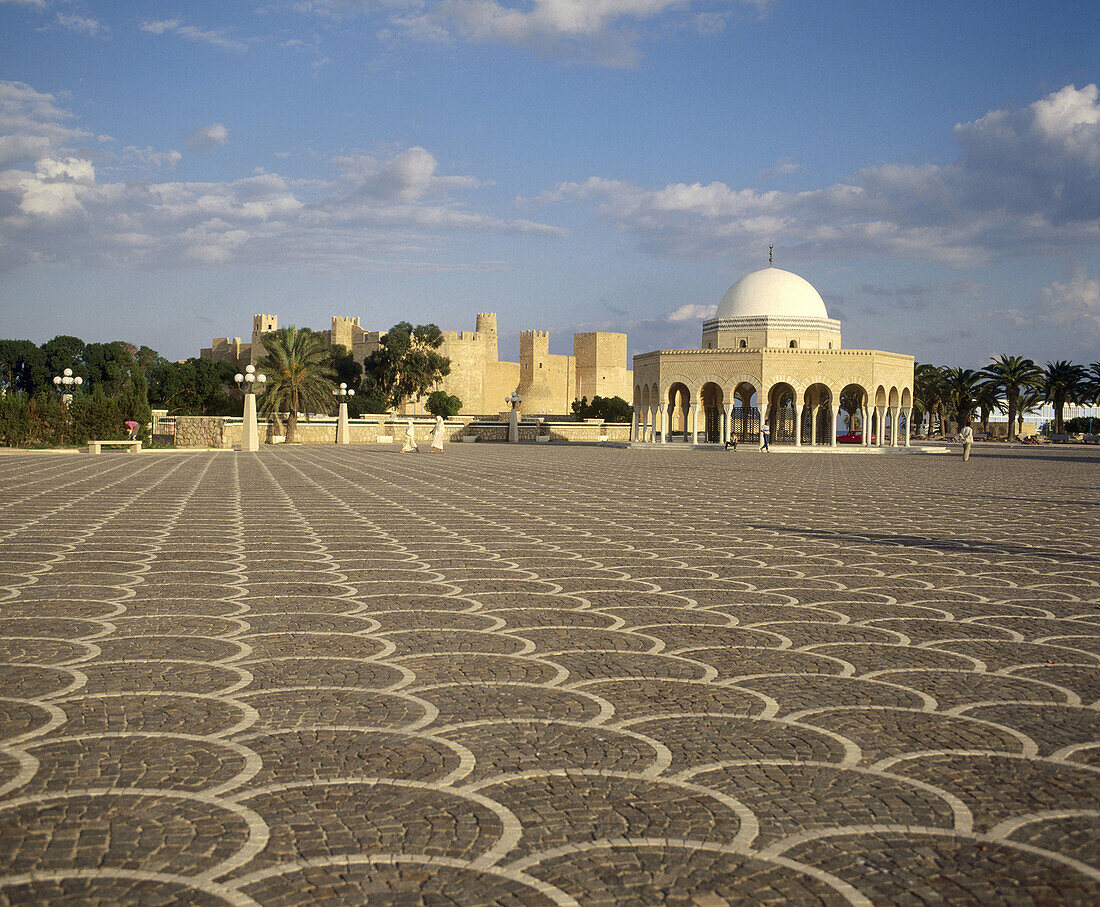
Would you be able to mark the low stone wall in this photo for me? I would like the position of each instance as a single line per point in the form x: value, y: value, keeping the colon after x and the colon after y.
x: 200, y: 431
x: 222, y: 432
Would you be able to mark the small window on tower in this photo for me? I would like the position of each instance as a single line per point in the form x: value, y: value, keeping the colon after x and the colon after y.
x: 794, y: 344
x: 742, y: 344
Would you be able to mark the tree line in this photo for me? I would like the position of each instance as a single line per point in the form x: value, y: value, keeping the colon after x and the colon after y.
x: 1013, y: 385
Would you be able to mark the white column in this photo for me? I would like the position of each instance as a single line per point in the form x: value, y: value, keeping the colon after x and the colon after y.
x: 880, y: 434
x: 908, y: 427
x: 634, y: 425
x: 250, y: 433
x: 651, y: 429
x: 835, y: 423
x: 727, y: 422
x: 343, y: 433
x: 865, y: 415
x: 894, y: 411
x: 797, y: 425
x: 695, y: 424
x: 665, y: 409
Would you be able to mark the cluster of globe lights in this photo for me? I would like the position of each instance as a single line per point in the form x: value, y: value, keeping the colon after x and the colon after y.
x: 66, y: 380
x: 250, y: 377
x: 342, y: 391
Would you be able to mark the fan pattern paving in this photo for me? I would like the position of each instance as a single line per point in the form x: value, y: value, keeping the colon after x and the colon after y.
x: 520, y: 675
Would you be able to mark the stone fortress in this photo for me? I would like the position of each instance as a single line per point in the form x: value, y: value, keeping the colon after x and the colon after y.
x: 547, y: 382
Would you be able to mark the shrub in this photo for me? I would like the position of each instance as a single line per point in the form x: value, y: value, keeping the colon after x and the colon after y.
x: 440, y: 403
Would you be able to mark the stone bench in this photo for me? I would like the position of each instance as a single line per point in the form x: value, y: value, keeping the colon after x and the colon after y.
x: 94, y: 447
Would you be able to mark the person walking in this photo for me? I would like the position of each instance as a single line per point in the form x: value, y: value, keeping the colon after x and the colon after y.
x: 410, y: 439
x: 437, y: 435
x: 764, y: 430
x: 966, y: 436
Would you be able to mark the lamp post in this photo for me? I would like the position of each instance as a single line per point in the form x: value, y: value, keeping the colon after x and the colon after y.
x: 513, y: 417
x: 343, y: 434
x: 66, y: 383
x: 250, y: 433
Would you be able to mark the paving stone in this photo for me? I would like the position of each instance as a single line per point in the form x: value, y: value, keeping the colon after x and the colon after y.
x: 523, y: 675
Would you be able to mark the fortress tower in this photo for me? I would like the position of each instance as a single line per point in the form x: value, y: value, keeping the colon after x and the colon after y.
x: 534, y: 373
x: 487, y: 329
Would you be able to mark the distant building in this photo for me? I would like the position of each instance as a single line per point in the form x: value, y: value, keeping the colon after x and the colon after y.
x: 772, y: 352
x: 548, y: 383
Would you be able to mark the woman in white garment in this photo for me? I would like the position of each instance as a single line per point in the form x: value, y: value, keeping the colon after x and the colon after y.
x: 410, y: 439
x: 437, y: 435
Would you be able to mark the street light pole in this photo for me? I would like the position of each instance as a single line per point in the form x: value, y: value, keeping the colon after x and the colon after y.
x: 66, y: 382
x: 343, y: 433
x: 250, y: 433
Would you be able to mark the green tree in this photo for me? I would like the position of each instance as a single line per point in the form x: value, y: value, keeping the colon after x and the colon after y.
x: 62, y: 352
x: 22, y: 366
x: 440, y: 403
x: 406, y: 364
x: 108, y: 365
x: 134, y: 402
x: 930, y: 394
x: 962, y: 388
x: 610, y: 409
x: 1010, y: 376
x: 346, y: 368
x: 193, y: 387
x: 1031, y: 399
x: 851, y: 401
x: 1063, y: 382
x: 987, y: 402
x: 299, y: 375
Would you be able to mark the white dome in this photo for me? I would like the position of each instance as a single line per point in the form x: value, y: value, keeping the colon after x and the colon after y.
x: 772, y: 292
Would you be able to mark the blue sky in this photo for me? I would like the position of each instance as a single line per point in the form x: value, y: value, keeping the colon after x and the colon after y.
x: 169, y: 168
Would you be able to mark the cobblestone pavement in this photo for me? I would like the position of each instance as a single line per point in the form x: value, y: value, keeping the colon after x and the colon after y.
x: 532, y: 675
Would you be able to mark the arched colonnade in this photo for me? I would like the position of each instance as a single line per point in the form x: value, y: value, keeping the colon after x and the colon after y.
x: 713, y: 410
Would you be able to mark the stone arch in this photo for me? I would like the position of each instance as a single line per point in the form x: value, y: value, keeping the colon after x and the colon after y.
x: 880, y: 396
x: 780, y: 413
x: 853, y: 399
x: 818, y: 401
x: 711, y: 413
x: 895, y: 397
x: 745, y: 415
x: 678, y: 397
x: 906, y: 398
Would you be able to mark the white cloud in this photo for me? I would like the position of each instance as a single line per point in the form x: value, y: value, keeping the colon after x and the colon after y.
x: 31, y: 124
x: 148, y: 155
x: 782, y: 167
x: 83, y: 24
x: 693, y: 312
x: 207, y: 137
x: 605, y: 32
x: 1074, y: 302
x: 214, y: 37
x: 1027, y: 182
x: 384, y: 212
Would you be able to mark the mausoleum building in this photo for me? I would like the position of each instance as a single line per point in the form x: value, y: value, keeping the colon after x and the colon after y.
x: 772, y: 351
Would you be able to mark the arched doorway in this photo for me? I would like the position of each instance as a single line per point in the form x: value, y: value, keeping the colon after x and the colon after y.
x: 679, y: 399
x: 781, y: 413
x: 712, y: 399
x: 745, y: 416
x: 853, y: 401
x: 817, y: 415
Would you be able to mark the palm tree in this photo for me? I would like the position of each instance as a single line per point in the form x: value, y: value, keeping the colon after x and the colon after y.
x: 987, y: 402
x: 299, y: 374
x: 928, y: 392
x: 962, y: 387
x: 1063, y: 382
x: 1010, y: 376
x: 1031, y: 399
x: 1091, y: 392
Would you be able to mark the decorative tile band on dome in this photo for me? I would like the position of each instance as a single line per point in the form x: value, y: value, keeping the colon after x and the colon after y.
x: 781, y: 322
